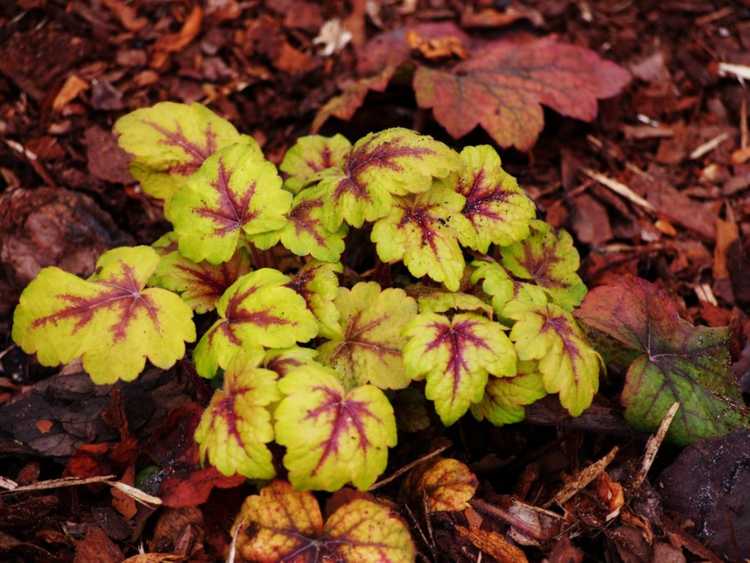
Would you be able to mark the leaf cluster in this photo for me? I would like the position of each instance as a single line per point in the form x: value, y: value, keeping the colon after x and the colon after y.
x: 473, y: 310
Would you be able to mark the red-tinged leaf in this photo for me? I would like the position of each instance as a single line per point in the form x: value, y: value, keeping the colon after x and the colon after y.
x: 194, y: 489
x: 309, y: 156
x: 446, y: 485
x: 503, y: 86
x: 352, y: 96
x: 677, y: 362
x: 284, y: 525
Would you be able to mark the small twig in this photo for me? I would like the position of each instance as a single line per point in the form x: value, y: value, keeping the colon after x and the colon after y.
x: 584, y: 478
x: 408, y: 467
x: 741, y: 72
x: 653, y: 445
x: 708, y: 146
x: 619, y: 188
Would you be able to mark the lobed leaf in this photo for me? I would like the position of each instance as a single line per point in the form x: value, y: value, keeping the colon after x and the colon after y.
x: 436, y: 300
x: 551, y: 261
x: 318, y: 284
x: 393, y: 161
x: 311, y: 155
x: 496, y: 210
x: 455, y: 356
x: 367, y: 346
x: 235, y: 194
x: 284, y: 360
x: 109, y: 321
x: 504, y: 289
x: 236, y: 425
x: 417, y: 231
x: 199, y: 284
x: 447, y: 485
x: 569, y: 366
x: 332, y: 436
x: 169, y: 141
x: 505, y: 397
x: 257, y: 311
x: 282, y: 524
x: 304, y: 232
x: 503, y: 85
x: 676, y: 362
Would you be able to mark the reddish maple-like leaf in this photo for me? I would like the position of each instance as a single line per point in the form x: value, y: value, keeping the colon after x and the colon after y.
x: 504, y: 84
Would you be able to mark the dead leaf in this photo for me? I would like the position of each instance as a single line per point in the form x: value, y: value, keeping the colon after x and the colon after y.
x: 503, y: 86
x: 176, y: 42
x: 439, y: 48
x: 154, y: 558
x: 126, y: 14
x: 292, y: 60
x: 565, y: 552
x: 446, y: 485
x: 493, y: 544
x: 584, y: 477
x: 106, y: 160
x: 591, y: 221
x: 489, y: 17
x: 69, y: 91
x: 122, y: 502
x: 179, y: 531
x: 96, y: 547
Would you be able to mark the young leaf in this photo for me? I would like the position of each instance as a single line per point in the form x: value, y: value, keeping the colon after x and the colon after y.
x: 496, y: 210
x: 318, y: 284
x: 498, y: 284
x: 436, y: 300
x: 236, y: 425
x: 282, y: 524
x: 309, y: 156
x: 551, y: 261
x: 417, y: 231
x: 393, y: 161
x: 333, y: 436
x: 367, y: 347
x: 200, y: 284
x: 170, y: 141
x: 258, y: 310
x: 502, y: 86
x: 234, y: 193
x: 677, y: 362
x: 304, y: 233
x: 448, y: 485
x: 505, y: 397
x: 110, y: 321
x: 456, y: 356
x: 569, y: 366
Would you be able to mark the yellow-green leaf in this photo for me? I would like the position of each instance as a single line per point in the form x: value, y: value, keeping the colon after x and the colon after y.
x: 505, y: 397
x: 496, y: 210
x: 437, y: 300
x: 236, y: 425
x: 235, y: 194
x: 283, y: 360
x: 257, y: 311
x: 318, y: 284
x: 417, y: 231
x: 110, y: 321
x: 200, y: 284
x: 367, y: 347
x: 332, y: 436
x: 569, y: 366
x: 310, y: 156
x: 456, y: 355
x: 498, y: 284
x: 170, y: 141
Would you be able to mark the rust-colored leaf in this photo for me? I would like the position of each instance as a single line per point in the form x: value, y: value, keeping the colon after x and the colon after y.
x: 505, y: 83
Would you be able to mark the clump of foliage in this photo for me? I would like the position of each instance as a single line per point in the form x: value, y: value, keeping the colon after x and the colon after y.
x: 468, y: 302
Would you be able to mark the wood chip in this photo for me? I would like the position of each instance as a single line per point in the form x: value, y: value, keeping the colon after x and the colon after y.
x: 584, y: 478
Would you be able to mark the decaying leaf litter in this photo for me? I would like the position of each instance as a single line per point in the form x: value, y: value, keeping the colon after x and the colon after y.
x: 654, y: 186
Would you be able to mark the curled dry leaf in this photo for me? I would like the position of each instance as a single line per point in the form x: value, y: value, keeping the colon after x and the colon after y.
x: 447, y: 485
x: 282, y: 524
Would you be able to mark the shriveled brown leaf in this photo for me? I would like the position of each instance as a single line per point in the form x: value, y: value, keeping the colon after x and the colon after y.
x: 493, y: 544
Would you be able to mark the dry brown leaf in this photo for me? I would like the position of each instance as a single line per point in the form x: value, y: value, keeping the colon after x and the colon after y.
x: 175, y: 42
x: 69, y: 92
x: 126, y: 14
x: 493, y: 544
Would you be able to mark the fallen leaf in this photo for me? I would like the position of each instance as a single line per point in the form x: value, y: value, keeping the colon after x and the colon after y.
x: 179, y: 531
x: 176, y: 42
x: 447, y: 485
x: 503, y: 86
x: 106, y: 160
x: 677, y: 361
x: 493, y: 544
x: 70, y: 89
x: 126, y: 14
x: 96, y: 547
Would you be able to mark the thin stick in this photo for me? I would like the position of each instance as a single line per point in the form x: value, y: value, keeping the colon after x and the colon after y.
x: 619, y: 188
x: 708, y: 146
x: 584, y: 478
x: 653, y: 445
x: 741, y: 72
x: 408, y: 467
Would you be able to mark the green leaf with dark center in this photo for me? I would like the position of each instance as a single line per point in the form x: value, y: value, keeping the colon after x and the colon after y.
x: 310, y: 156
x: 678, y: 362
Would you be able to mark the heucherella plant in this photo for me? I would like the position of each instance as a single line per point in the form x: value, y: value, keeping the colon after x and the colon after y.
x: 461, y: 299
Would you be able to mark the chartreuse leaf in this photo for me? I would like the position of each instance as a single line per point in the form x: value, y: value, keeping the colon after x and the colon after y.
x: 170, y: 141
x: 455, y: 356
x: 236, y: 425
x: 393, y: 161
x: 309, y: 156
x: 446, y: 486
x: 417, y: 231
x: 257, y: 311
x: 496, y: 210
x: 551, y: 261
x: 200, y: 284
x: 282, y: 361
x: 304, y: 232
x: 436, y: 300
x: 367, y: 346
x: 318, y: 284
x: 505, y: 397
x: 110, y: 321
x: 332, y: 436
x: 569, y: 366
x: 498, y: 284
x: 676, y: 362
x: 282, y: 524
x: 235, y: 194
